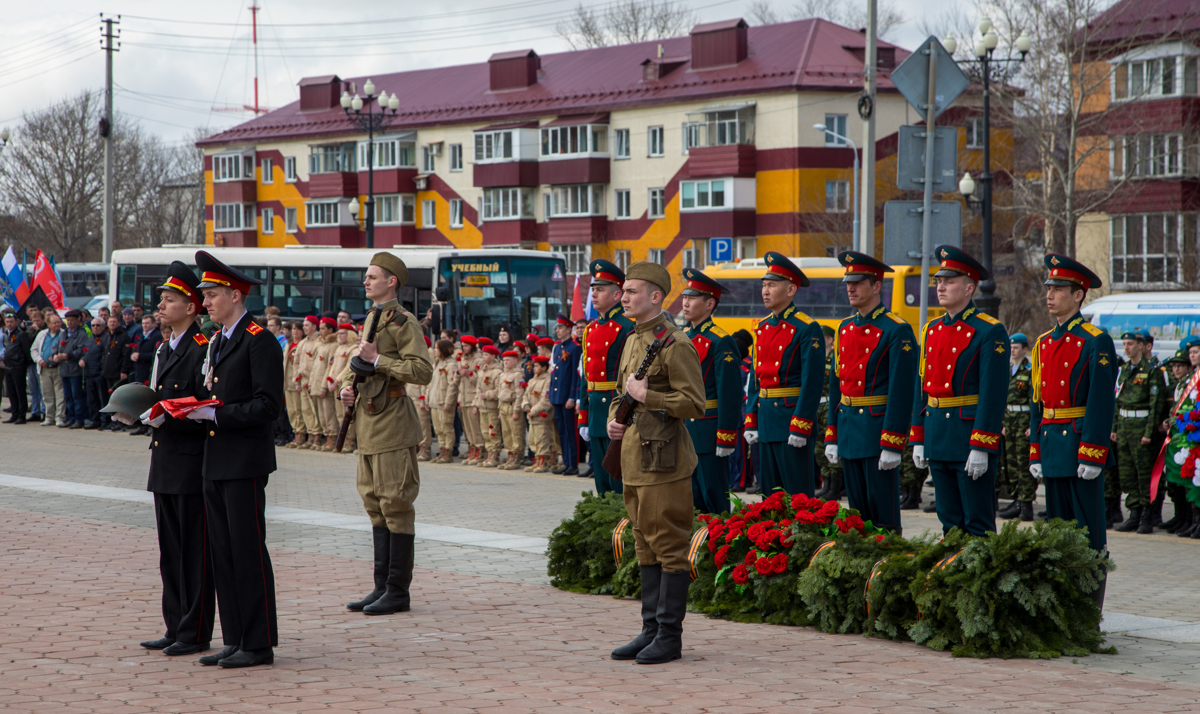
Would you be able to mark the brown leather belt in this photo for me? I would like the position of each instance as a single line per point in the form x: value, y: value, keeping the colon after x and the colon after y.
x: 396, y: 389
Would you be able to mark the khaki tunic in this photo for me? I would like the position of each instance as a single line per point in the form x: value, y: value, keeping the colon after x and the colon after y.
x: 307, y: 353
x: 467, y: 388
x: 512, y: 420
x: 536, y: 404
x: 291, y: 389
x: 486, y: 389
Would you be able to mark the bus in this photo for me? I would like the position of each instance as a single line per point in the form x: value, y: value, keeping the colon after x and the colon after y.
x: 82, y: 281
x: 824, y: 300
x: 1171, y: 317
x: 477, y: 291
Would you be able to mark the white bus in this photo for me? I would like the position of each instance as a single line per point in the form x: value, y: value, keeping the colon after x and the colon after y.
x: 1171, y: 317
x: 476, y: 291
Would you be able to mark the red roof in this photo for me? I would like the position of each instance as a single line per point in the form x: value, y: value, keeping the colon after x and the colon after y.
x: 792, y: 56
x: 1147, y: 20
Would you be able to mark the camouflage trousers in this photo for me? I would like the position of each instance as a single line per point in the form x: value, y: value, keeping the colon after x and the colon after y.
x: 1015, y: 472
x: 1135, y: 460
x: 828, y: 471
x: 1112, y: 478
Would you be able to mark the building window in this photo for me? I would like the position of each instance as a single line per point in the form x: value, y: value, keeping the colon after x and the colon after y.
x: 456, y: 157
x: 389, y: 154
x: 324, y: 213
x: 507, y: 203
x: 1154, y: 155
x: 657, y: 255
x: 428, y: 159
x: 621, y: 259
x: 621, y: 198
x: 268, y: 220
x: 1146, y: 248
x: 229, y: 168
x: 745, y: 248
x: 233, y: 216
x: 1162, y: 77
x: 835, y: 124
x: 575, y: 140
x: 655, y: 141
x: 719, y: 128
x: 657, y: 206
x: 695, y: 195
x: 578, y: 258
x: 289, y: 169
x: 248, y: 167
x: 582, y: 200
x: 429, y: 213
x: 456, y: 213
x: 289, y: 219
x: 332, y: 158
x: 268, y: 171
x: 621, y: 144
x: 395, y: 209
x: 975, y: 133
x: 837, y: 196
x: 493, y: 146
x: 695, y: 254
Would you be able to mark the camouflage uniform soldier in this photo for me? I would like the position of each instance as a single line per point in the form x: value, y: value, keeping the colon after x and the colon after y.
x: 1021, y: 484
x: 1141, y: 393
x: 1112, y: 476
x: 912, y: 480
x: 832, y: 487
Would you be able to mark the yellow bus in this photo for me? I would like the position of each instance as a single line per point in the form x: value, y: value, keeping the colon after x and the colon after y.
x: 825, y: 300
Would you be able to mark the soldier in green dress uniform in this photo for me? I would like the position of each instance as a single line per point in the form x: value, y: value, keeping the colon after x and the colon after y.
x: 1021, y: 484
x: 1141, y: 397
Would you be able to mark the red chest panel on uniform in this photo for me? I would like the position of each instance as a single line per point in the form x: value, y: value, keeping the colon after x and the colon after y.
x: 943, y: 345
x: 771, y: 344
x: 1058, y: 358
x: 703, y: 345
x: 600, y: 336
x: 855, y: 345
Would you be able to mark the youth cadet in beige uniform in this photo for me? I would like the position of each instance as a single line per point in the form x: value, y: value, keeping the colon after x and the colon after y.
x: 486, y: 388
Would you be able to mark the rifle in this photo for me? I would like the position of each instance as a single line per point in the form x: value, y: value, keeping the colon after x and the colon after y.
x: 359, y: 372
x: 624, y: 415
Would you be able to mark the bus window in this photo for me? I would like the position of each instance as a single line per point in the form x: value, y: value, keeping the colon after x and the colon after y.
x: 744, y: 298
x: 297, y: 292
x: 484, y: 295
x: 126, y: 283
x: 347, y: 292
x: 912, y: 292
x: 1165, y: 327
x: 539, y: 294
x: 255, y: 301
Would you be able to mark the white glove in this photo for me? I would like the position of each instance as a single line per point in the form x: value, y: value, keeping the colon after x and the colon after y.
x: 583, y: 433
x: 723, y: 452
x: 751, y: 436
x: 203, y: 414
x: 919, y: 456
x: 155, y: 422
x: 888, y: 460
x: 1036, y: 470
x: 831, y: 454
x: 797, y: 441
x: 977, y: 463
x: 1087, y: 472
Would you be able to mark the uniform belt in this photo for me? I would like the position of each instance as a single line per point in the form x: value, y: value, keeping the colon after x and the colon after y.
x: 397, y: 391
x: 1018, y: 407
x: 710, y: 404
x: 601, y: 386
x: 780, y: 392
x: 1134, y: 413
x: 951, y: 402
x: 872, y: 401
x: 823, y: 400
x: 1067, y: 413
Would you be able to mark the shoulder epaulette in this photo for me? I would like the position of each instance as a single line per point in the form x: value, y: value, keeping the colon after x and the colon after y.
x: 987, y: 318
x: 718, y: 331
x: 201, y: 339
x: 896, y: 318
x: 254, y: 328
x: 1044, y: 334
x: 399, y: 318
x: 1092, y: 329
x: 801, y: 316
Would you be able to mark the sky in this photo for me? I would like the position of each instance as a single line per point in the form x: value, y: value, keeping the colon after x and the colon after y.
x: 184, y: 66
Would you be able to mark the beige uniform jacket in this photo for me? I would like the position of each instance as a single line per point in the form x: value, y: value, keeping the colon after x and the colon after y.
x: 468, y: 384
x: 341, y: 359
x: 321, y: 381
x: 511, y: 390
x: 442, y: 391
x: 537, y: 400
x: 385, y: 418
x: 656, y: 451
x: 291, y: 365
x: 487, y: 387
x: 308, y: 354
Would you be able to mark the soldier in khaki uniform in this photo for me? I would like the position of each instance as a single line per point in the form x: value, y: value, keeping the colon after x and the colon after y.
x: 537, y: 406
x: 388, y: 480
x: 304, y: 369
x: 347, y: 348
x: 291, y: 385
x: 657, y: 460
x: 416, y: 392
x: 322, y: 385
x: 487, y: 383
x: 512, y: 419
x: 468, y: 367
x: 442, y: 399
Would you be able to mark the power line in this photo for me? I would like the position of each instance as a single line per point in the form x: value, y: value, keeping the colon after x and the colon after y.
x: 46, y: 71
x: 380, y: 21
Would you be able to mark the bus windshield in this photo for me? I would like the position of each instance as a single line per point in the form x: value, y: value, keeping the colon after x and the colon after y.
x: 489, y: 293
x: 824, y: 299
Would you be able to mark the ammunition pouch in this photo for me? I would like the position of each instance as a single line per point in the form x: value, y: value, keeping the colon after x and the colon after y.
x: 658, y: 434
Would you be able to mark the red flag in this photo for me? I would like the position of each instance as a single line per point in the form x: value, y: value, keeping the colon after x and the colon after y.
x: 577, y: 304
x: 45, y: 278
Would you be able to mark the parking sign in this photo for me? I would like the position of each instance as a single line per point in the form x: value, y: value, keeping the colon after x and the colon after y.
x: 720, y: 250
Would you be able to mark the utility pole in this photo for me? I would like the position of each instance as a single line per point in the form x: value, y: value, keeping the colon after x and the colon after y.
x: 866, y: 110
x: 927, y: 202
x: 106, y: 132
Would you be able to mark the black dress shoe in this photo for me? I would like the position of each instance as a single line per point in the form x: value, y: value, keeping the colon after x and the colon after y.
x: 181, y: 648
x: 931, y: 508
x: 212, y: 659
x: 160, y: 644
x: 753, y: 490
x: 573, y: 471
x: 10, y: 420
x: 559, y: 471
x: 249, y: 658
x: 20, y: 421
x: 77, y: 425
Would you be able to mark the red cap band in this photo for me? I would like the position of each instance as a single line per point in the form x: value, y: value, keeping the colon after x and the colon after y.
x: 705, y: 288
x: 963, y: 268
x: 863, y: 269
x: 227, y: 281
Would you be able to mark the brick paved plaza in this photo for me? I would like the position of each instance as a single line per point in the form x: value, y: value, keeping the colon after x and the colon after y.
x: 487, y: 633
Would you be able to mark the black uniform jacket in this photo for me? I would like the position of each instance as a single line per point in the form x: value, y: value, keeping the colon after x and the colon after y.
x: 248, y: 378
x: 177, y: 447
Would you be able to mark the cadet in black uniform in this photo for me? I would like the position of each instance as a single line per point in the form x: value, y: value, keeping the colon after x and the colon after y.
x: 243, y: 370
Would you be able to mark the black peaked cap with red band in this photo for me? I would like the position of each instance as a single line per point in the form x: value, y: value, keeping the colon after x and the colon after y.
x: 183, y: 281
x: 606, y: 273
x: 860, y: 266
x: 215, y: 274
x: 697, y: 284
x: 955, y: 261
x: 780, y: 267
x: 1066, y: 271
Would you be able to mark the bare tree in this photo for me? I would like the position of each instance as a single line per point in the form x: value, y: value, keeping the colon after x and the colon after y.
x: 853, y: 15
x: 626, y: 21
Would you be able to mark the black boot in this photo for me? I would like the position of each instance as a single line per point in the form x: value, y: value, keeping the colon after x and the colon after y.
x: 400, y: 568
x: 1026, y: 513
x: 651, y: 583
x: 1117, y: 516
x: 1097, y: 595
x: 1012, y: 510
x: 1193, y: 522
x: 826, y: 489
x: 1181, y: 519
x: 839, y: 487
x: 1146, y: 523
x: 1131, y: 523
x: 382, y: 558
x: 904, y: 496
x: 672, y: 606
x: 1156, y: 519
x: 931, y: 508
x: 913, y: 502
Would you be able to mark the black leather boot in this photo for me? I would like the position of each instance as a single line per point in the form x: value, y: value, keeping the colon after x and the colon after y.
x: 1181, y: 519
x: 1117, y: 516
x: 672, y: 606
x: 1026, y: 512
x: 931, y: 508
x: 1131, y: 523
x: 1097, y: 595
x: 380, y: 534
x: 1156, y: 519
x: 1012, y: 510
x: 651, y: 584
x: 905, y: 496
x: 1194, y: 518
x: 1146, y: 524
x: 400, y: 567
x: 839, y: 487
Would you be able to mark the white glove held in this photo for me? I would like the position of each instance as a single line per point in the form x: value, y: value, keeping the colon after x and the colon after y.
x: 203, y: 414
x: 1087, y: 472
x: 583, y: 433
x: 797, y: 441
x: 723, y: 452
x: 977, y: 463
x: 154, y: 423
x: 919, y: 456
x: 751, y: 436
x: 831, y: 454
x: 888, y: 460
x: 1036, y: 470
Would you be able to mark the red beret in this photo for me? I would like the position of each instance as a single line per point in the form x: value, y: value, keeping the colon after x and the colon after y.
x: 428, y: 342
x: 313, y: 319
x: 329, y: 321
x: 510, y: 353
x: 345, y: 326
x: 491, y: 350
x: 486, y: 341
x: 532, y: 337
x: 541, y: 360
x: 545, y: 342
x: 468, y: 340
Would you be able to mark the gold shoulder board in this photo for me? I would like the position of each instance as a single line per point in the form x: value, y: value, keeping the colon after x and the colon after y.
x: 987, y: 318
x: 1092, y: 329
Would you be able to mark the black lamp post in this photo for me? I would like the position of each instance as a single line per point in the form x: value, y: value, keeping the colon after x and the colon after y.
x: 4, y: 137
x: 370, y: 122
x: 987, y: 300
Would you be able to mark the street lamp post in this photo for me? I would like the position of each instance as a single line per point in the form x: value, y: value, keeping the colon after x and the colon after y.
x: 4, y: 137
x: 988, y: 301
x: 854, y: 243
x: 370, y: 122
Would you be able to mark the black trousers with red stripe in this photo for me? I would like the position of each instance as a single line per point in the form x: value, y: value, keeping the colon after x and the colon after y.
x: 188, y: 601
x: 241, y: 566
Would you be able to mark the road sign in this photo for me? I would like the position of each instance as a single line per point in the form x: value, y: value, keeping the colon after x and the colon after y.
x: 902, y: 229
x: 910, y: 155
x: 912, y: 78
x: 720, y: 250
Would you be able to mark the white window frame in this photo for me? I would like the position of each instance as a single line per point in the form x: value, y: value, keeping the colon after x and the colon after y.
x: 974, y: 129
x: 621, y: 149
x: 835, y: 123
x: 655, y: 141
x: 390, y: 153
x: 695, y: 254
x: 656, y: 203
x: 719, y: 127
x: 577, y: 200
x: 456, y: 213
x: 429, y: 213
x: 227, y: 167
x: 745, y: 248
x: 705, y: 188
x: 621, y: 259
x: 322, y: 214
x: 332, y: 158
x: 289, y: 169
x: 657, y: 255
x: 490, y: 146
x: 291, y: 222
x: 267, y: 167
x: 456, y: 157
x: 1173, y: 226
x: 428, y: 159
x: 621, y: 204
x: 577, y: 257
x: 571, y: 141
x: 1152, y: 156
x: 839, y: 200
x: 389, y: 209
x: 506, y: 204
x: 232, y: 216
x: 268, y: 220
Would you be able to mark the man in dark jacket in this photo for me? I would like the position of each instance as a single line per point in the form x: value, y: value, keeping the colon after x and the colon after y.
x: 16, y: 363
x: 117, y: 364
x: 93, y: 375
x: 142, y: 354
x: 71, y: 367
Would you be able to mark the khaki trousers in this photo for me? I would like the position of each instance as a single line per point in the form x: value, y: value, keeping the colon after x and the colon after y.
x: 292, y: 400
x: 329, y: 414
x: 661, y: 516
x: 493, y: 435
x: 471, y: 427
x: 443, y: 428
x: 52, y: 395
x: 513, y: 429
x: 389, y: 483
x: 541, y: 436
x: 426, y: 428
x: 308, y: 411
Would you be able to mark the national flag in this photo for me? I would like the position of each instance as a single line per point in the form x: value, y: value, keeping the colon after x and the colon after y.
x: 45, y: 277
x: 14, y: 289
x: 590, y: 312
x: 577, y: 301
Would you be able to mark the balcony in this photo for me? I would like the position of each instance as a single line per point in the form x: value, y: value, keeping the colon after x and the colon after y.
x: 717, y: 224
x: 510, y: 233
x: 389, y: 181
x: 508, y: 173
x: 576, y: 231
x: 334, y: 185
x: 344, y: 236
x: 570, y: 171
x: 235, y: 239
x: 234, y: 191
x: 738, y: 160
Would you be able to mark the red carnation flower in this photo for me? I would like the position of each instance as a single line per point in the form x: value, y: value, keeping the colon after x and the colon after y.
x: 855, y: 522
x: 879, y: 538
x: 741, y: 574
x: 765, y: 566
x: 780, y: 563
x: 721, y: 556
